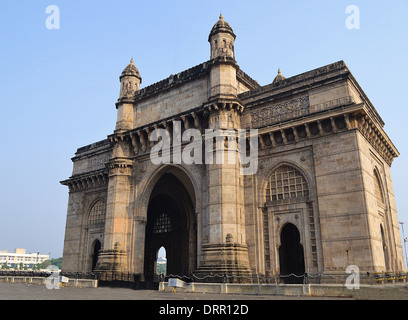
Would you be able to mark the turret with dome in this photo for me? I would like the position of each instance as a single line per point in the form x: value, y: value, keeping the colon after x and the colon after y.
x: 222, y: 39
x: 130, y: 80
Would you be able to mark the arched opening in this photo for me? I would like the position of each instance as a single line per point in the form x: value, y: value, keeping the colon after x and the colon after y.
x: 161, y: 262
x: 171, y: 223
x: 378, y: 189
x: 286, y: 184
x: 95, y: 253
x: 97, y: 213
x: 291, y: 256
x: 384, y: 247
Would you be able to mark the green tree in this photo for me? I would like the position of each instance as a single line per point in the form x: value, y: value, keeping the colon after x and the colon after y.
x: 57, y: 262
x: 45, y: 264
x: 161, y: 268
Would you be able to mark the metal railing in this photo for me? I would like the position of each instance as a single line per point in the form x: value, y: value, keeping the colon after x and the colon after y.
x: 137, y: 281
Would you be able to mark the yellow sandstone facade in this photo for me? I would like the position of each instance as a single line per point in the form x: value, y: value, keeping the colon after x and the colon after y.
x: 320, y: 199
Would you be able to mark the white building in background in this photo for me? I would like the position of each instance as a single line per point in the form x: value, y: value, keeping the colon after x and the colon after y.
x: 14, y: 259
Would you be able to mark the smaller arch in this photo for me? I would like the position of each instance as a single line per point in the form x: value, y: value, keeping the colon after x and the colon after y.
x: 286, y: 182
x: 161, y: 261
x: 291, y: 255
x: 96, y: 247
x: 97, y: 213
x: 378, y: 187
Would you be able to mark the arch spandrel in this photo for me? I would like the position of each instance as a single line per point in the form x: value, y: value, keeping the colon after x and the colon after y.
x: 185, y: 176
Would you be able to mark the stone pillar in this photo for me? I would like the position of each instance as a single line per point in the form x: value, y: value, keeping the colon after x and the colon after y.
x: 113, y: 257
x: 139, y: 232
x: 226, y: 250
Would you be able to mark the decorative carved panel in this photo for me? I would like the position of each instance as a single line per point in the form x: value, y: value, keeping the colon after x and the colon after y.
x: 280, y: 112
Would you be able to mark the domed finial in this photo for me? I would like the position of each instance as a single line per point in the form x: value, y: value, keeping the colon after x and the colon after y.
x: 279, y: 77
x: 131, y: 60
x: 221, y: 17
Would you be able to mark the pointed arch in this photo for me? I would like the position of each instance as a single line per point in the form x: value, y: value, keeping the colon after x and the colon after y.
x: 378, y: 187
x: 291, y: 255
x: 97, y: 213
x: 96, y: 247
x: 286, y: 182
x: 169, y: 206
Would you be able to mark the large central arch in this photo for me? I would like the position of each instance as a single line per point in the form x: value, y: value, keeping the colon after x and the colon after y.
x: 172, y: 224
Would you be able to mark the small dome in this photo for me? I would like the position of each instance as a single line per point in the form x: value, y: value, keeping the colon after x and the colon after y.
x: 221, y: 26
x: 279, y: 77
x: 131, y: 70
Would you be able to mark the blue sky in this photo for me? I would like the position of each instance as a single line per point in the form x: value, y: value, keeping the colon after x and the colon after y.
x: 59, y: 87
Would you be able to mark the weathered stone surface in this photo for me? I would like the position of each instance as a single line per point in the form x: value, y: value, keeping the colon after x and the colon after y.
x: 323, y: 167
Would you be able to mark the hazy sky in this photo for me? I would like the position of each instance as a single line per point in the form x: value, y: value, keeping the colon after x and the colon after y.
x: 59, y: 86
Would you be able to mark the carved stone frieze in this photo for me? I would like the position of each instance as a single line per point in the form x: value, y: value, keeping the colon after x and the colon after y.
x: 98, y: 161
x: 280, y: 112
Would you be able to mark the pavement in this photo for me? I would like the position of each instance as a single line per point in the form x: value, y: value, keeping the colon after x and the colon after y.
x: 22, y: 291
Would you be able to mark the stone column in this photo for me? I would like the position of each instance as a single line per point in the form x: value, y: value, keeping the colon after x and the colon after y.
x: 226, y: 251
x: 139, y: 232
x: 113, y: 257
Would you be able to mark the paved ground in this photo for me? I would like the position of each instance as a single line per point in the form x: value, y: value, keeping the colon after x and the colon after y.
x: 21, y: 291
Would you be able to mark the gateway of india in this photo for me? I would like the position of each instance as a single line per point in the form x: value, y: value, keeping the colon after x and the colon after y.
x: 320, y: 200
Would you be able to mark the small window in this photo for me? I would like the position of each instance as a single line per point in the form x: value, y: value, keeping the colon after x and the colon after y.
x: 286, y: 182
x: 162, y: 224
x: 98, y: 212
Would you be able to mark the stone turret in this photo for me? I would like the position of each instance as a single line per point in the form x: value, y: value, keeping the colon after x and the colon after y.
x: 130, y: 81
x: 222, y: 39
x: 223, y: 77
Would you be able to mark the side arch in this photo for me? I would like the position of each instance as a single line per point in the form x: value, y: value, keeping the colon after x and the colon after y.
x: 289, y: 196
x: 96, y: 212
x: 94, y: 228
x: 291, y: 255
x: 379, y: 187
x: 264, y: 183
x: 96, y: 247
